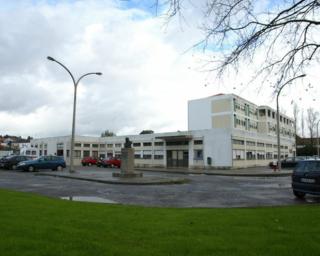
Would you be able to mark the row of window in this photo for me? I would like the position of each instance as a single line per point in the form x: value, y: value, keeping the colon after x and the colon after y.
x: 258, y: 144
x: 134, y: 144
x: 238, y: 154
x: 273, y: 114
x: 245, y: 108
x: 247, y: 123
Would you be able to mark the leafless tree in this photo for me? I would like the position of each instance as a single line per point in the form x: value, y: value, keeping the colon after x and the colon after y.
x: 295, y: 117
x: 302, y: 123
x: 312, y: 117
x: 283, y: 32
x: 296, y: 111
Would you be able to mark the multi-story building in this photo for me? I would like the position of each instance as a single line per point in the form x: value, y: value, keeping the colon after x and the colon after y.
x: 224, y: 131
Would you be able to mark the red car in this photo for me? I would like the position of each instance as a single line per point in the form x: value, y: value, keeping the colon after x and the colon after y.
x: 88, y: 161
x: 110, y: 162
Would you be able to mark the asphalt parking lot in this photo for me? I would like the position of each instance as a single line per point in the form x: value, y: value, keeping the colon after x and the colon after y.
x: 201, y: 191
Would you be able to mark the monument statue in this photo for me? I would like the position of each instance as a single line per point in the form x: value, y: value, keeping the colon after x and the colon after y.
x: 128, y: 143
x: 127, y: 162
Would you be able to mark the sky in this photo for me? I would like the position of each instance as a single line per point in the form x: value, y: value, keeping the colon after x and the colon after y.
x: 150, y: 69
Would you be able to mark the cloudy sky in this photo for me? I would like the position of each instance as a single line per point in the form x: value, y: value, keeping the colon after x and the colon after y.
x: 149, y: 70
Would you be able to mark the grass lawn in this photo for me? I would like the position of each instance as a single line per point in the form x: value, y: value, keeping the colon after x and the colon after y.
x: 36, y: 225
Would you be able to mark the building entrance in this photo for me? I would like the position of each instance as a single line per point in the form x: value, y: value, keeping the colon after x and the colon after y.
x: 177, y: 158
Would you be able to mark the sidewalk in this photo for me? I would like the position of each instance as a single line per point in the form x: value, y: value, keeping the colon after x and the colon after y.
x: 105, y: 176
x: 150, y: 176
x: 249, y: 172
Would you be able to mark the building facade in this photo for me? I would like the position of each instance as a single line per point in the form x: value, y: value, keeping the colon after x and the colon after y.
x: 224, y: 131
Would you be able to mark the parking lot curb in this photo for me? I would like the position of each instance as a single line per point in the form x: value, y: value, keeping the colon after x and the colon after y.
x: 123, y: 181
x: 219, y: 173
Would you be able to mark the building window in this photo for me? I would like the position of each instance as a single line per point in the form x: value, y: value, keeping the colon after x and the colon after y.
x: 198, y: 142
x: 40, y: 152
x: 118, y: 145
x: 260, y: 155
x: 250, y: 143
x: 238, y: 142
x: 136, y: 144
x: 68, y: 153
x: 147, y: 154
x: 95, y: 145
x: 158, y: 154
x: 147, y: 144
x: 45, y: 152
x: 86, y: 145
x: 177, y: 143
x: 269, y: 155
x: 251, y: 155
x: 259, y: 144
x: 198, y: 155
x: 238, y: 154
x: 262, y: 112
x: 78, y: 145
x: 158, y: 143
x: 102, y: 145
x: 109, y: 145
x: 86, y: 153
x: 77, y: 153
x: 95, y: 154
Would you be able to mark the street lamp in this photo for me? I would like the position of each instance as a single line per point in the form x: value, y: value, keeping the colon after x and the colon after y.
x: 318, y: 137
x: 75, y: 83
x: 278, y: 117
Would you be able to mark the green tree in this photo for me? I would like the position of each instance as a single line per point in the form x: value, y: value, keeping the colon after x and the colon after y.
x: 107, y: 133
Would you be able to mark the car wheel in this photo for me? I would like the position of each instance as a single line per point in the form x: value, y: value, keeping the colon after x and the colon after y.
x: 83, y: 164
x: 59, y: 168
x: 13, y: 167
x: 298, y: 194
x: 31, y: 168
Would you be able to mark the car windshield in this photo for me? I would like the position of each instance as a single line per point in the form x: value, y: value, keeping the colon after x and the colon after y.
x: 308, y: 166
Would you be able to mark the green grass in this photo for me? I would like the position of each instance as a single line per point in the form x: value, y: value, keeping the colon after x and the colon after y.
x: 36, y: 225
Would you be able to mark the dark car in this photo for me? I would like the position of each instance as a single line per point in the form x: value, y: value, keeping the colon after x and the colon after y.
x: 109, y: 162
x: 43, y: 162
x: 289, y: 162
x: 11, y: 162
x: 306, y: 178
x: 89, y: 161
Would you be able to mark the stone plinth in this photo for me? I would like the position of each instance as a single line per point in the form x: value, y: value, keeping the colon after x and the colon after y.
x: 127, y: 164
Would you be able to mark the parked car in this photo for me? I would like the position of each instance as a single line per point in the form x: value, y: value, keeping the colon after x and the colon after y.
x: 306, y: 178
x: 289, y: 162
x: 88, y: 161
x: 109, y: 162
x: 44, y: 162
x: 11, y: 162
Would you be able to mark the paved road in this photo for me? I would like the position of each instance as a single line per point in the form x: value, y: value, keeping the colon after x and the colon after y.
x: 202, y: 191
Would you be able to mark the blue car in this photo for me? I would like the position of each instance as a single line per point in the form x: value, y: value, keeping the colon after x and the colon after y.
x: 55, y: 163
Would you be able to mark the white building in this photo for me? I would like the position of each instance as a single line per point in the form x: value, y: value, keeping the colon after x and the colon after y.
x: 225, y: 131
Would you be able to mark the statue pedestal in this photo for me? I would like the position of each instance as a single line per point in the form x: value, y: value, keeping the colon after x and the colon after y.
x: 127, y: 164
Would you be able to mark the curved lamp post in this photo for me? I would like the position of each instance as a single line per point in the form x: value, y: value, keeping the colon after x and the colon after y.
x: 318, y: 138
x: 75, y: 83
x: 278, y: 117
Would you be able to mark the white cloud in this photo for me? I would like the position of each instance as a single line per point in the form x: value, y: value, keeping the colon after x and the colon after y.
x: 147, y: 76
